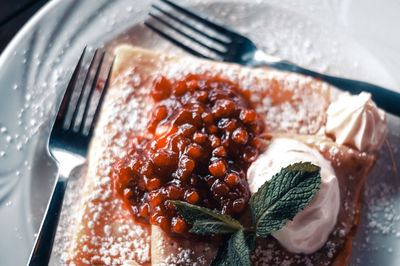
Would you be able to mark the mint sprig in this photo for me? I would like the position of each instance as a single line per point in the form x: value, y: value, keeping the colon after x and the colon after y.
x: 275, y: 202
x: 235, y: 250
x: 205, y: 221
x: 279, y: 200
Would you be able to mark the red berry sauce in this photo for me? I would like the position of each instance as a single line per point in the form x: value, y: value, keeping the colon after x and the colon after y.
x: 203, y: 136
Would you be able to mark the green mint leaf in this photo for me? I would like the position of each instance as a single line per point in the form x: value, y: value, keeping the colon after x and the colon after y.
x: 287, y: 193
x: 236, y: 250
x: 212, y: 227
x: 222, y: 258
x: 206, y: 221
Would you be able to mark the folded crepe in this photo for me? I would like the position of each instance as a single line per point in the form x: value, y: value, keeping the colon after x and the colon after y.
x: 291, y: 105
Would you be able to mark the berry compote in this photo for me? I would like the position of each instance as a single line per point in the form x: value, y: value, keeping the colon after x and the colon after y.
x: 202, y: 138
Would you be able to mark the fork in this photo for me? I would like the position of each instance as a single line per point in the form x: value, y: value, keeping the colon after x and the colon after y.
x: 229, y: 46
x: 68, y: 145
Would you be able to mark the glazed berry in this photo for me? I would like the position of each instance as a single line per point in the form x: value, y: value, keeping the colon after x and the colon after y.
x: 217, y: 168
x: 194, y: 151
x: 162, y: 221
x: 153, y: 184
x: 161, y: 88
x: 219, y: 152
x: 192, y: 85
x: 215, y: 141
x: 179, y: 88
x: 219, y: 188
x: 212, y: 129
x: 187, y: 164
x: 238, y: 205
x: 174, y: 192
x: 192, y: 197
x: 144, y: 210
x: 202, y: 96
x: 199, y: 137
x: 207, y: 118
x: 160, y: 113
x: 240, y: 136
x: 178, y: 225
x: 248, y: 116
x: 232, y: 179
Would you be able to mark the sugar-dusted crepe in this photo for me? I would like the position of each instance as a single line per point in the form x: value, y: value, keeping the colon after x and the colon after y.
x: 290, y: 105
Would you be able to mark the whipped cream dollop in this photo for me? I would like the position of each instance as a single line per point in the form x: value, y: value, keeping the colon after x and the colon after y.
x: 311, y: 227
x: 355, y: 120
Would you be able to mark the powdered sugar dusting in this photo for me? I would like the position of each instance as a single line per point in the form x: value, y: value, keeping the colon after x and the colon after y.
x: 125, y: 111
x: 107, y: 233
x: 283, y: 117
x: 183, y: 257
x: 288, y: 102
x: 171, y: 251
x: 380, y: 229
x: 268, y: 25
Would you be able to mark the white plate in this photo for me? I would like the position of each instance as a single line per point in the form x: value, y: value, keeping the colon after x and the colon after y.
x: 330, y: 36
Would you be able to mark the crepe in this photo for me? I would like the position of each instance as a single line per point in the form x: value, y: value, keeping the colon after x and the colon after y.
x: 290, y: 104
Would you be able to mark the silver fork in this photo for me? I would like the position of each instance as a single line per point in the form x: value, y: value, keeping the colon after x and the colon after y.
x: 68, y: 145
x: 223, y: 44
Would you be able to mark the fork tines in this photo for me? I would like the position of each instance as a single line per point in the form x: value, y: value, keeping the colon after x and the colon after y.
x: 84, y: 95
x: 189, y: 31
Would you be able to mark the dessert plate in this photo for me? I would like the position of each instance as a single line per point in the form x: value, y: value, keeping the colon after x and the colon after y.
x: 37, y: 64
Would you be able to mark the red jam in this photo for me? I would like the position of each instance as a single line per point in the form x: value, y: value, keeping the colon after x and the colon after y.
x: 203, y: 136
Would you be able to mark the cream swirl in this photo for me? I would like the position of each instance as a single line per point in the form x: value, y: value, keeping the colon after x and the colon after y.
x: 311, y: 227
x: 355, y: 120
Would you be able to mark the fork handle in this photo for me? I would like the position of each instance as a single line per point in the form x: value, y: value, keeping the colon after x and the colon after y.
x: 386, y: 99
x: 44, y: 242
